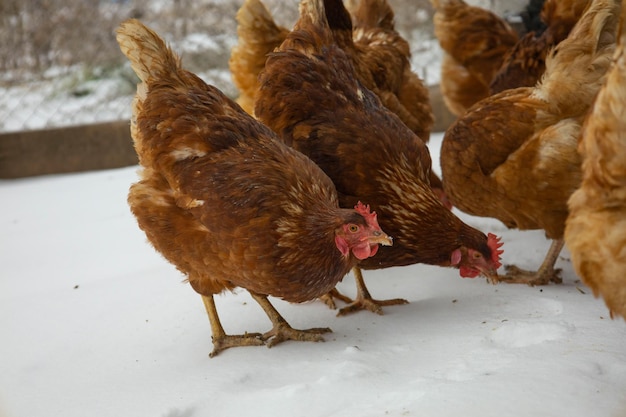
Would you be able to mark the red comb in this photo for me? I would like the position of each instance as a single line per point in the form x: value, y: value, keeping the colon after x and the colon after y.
x: 494, y: 244
x: 370, y: 217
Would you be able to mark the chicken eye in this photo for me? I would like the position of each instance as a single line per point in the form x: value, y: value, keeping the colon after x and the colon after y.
x: 477, y: 255
x: 353, y: 228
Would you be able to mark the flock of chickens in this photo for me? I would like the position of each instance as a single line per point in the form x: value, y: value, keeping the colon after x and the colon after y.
x: 323, y: 166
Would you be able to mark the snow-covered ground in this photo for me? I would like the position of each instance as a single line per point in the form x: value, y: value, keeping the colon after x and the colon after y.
x: 94, y: 322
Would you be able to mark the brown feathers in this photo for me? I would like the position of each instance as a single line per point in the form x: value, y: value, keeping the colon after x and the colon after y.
x: 475, y: 42
x: 513, y: 155
x: 596, y: 227
x: 310, y: 96
x: 377, y: 51
x: 226, y: 202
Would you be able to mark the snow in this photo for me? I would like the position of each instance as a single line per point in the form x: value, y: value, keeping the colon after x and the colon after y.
x: 80, y: 94
x: 64, y: 100
x: 95, y: 322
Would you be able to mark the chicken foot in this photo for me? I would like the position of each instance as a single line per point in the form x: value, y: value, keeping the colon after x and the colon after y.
x: 221, y: 340
x: 282, y: 331
x: 329, y: 298
x: 364, y: 300
x: 543, y: 276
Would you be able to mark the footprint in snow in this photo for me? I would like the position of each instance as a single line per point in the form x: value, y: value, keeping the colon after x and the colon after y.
x: 517, y: 334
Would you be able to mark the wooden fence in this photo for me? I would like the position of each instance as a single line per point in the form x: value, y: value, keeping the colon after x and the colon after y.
x: 98, y: 146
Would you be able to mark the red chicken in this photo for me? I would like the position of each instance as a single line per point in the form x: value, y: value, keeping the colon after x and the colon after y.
x: 227, y: 203
x: 310, y: 96
x: 513, y: 155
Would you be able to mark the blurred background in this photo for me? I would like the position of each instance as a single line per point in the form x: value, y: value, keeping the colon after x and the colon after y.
x: 60, y: 65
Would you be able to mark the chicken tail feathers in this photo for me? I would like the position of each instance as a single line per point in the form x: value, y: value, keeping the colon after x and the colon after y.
x: 258, y: 35
x: 148, y: 54
x: 254, y: 13
x: 312, y: 11
x: 174, y: 112
x: 337, y: 16
x: 604, y: 132
x: 371, y: 14
x: 578, y: 65
x: 328, y: 15
x: 257, y: 29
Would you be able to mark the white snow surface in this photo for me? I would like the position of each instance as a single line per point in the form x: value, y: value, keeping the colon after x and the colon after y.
x: 94, y: 322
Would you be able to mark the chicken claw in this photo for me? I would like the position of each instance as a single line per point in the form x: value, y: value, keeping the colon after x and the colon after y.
x: 364, y: 300
x: 221, y: 340
x: 544, y: 275
x: 329, y: 298
x: 516, y: 275
x: 282, y: 331
x: 225, y: 341
x: 368, y: 303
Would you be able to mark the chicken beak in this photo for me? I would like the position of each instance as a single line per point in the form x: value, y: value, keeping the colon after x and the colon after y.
x: 380, y: 237
x: 491, y: 275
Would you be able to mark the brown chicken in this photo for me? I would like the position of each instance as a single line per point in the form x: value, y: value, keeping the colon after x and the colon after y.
x: 475, y: 42
x: 513, y: 155
x: 258, y: 35
x: 595, y: 231
x: 382, y: 60
x: 227, y: 203
x: 525, y: 63
x: 311, y: 97
x: 380, y: 55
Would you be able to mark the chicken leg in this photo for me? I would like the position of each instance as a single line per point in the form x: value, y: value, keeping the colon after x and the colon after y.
x: 329, y: 298
x: 282, y: 331
x: 363, y: 301
x: 544, y: 275
x: 221, y: 340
